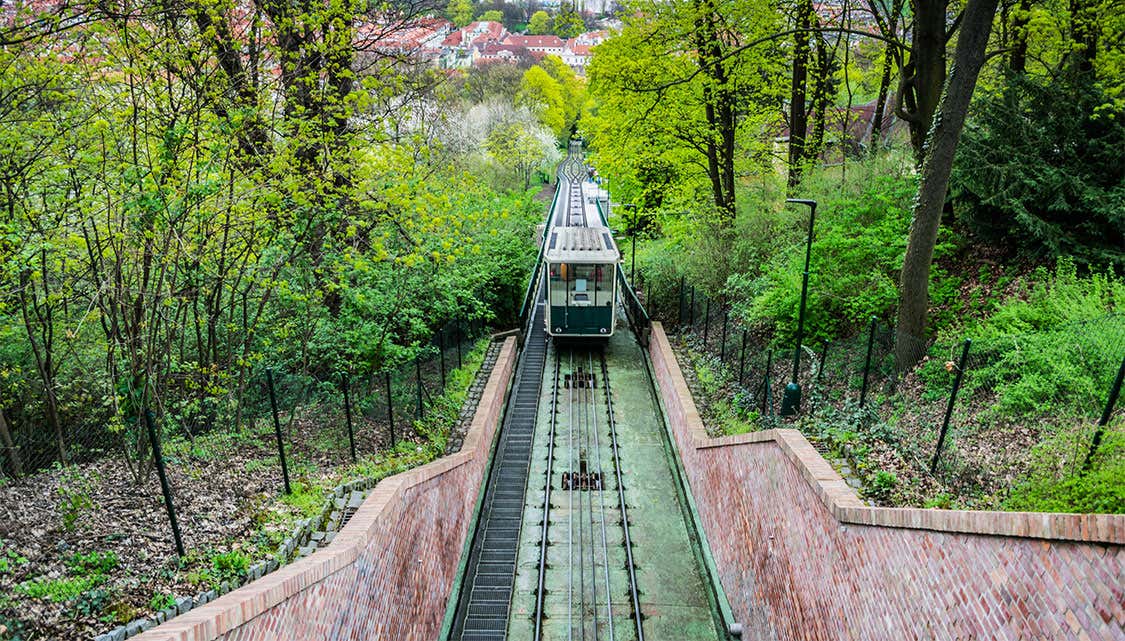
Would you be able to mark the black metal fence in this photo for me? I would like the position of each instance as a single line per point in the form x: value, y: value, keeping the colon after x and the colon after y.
x: 959, y: 389
x: 381, y: 404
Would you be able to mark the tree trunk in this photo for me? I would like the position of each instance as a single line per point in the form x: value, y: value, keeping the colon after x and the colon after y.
x: 968, y: 60
x: 10, y: 446
x: 798, y: 115
x: 881, y: 102
x: 1017, y: 61
x: 924, y: 76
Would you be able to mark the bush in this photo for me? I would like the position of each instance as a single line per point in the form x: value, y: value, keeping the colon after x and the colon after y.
x: 1099, y: 490
x: 1040, y: 164
x: 858, y: 246
x: 1056, y: 350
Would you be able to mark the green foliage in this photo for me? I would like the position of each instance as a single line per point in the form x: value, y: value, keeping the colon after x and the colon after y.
x: 1055, y: 348
x: 161, y: 600
x: 58, y: 590
x: 857, y: 252
x: 881, y: 484
x: 1054, y: 144
x: 492, y: 15
x: 10, y: 559
x: 92, y: 603
x: 459, y: 12
x: 539, y: 24
x: 229, y: 566
x: 73, y: 494
x: 1071, y: 489
x: 568, y: 23
x: 93, y: 563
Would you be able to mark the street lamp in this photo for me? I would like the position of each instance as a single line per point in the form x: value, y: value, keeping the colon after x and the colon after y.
x: 791, y: 401
x: 633, y: 250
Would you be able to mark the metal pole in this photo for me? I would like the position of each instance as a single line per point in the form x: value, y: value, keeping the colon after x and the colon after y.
x: 723, y: 345
x: 791, y: 401
x: 823, y: 360
x: 1114, y: 392
x: 460, y: 340
x: 418, y: 380
x: 348, y: 413
x: 633, y: 251
x: 706, y: 322
x: 742, y: 358
x: 277, y: 431
x: 441, y: 354
x: 867, y: 362
x: 952, y: 400
x: 680, y: 319
x: 164, y: 487
x: 767, y: 402
x: 390, y: 406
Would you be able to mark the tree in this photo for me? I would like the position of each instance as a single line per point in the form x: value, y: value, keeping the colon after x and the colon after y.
x: 492, y: 15
x: 517, y: 146
x: 568, y: 22
x: 941, y: 147
x: 540, y: 23
x: 459, y: 12
x: 673, y: 89
x: 543, y: 96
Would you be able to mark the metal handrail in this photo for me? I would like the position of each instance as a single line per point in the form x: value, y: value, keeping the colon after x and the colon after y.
x: 635, y: 311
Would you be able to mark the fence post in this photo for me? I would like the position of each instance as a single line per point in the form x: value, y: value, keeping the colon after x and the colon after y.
x: 767, y: 409
x: 441, y: 354
x: 867, y: 362
x: 277, y: 432
x: 952, y: 400
x: 680, y: 318
x: 742, y: 358
x: 691, y: 317
x: 390, y: 405
x: 723, y: 346
x: 706, y: 323
x: 348, y: 413
x: 460, y: 340
x: 1104, y: 420
x: 164, y: 487
x: 823, y: 360
x: 418, y: 380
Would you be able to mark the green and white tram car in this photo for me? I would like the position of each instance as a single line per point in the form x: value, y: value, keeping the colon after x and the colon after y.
x: 580, y: 268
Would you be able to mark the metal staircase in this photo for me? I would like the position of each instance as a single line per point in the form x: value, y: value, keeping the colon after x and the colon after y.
x: 483, y: 612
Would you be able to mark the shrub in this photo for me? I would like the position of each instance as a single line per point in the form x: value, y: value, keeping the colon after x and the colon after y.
x: 1054, y: 144
x: 1056, y: 351
x: 229, y: 566
x: 57, y: 590
x: 1098, y: 490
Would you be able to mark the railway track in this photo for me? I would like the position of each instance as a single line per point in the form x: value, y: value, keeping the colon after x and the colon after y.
x: 578, y: 514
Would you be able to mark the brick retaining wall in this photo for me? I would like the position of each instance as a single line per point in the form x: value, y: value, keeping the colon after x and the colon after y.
x: 793, y: 543
x: 387, y: 574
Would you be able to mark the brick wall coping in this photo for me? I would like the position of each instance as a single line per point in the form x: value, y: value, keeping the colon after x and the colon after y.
x: 239, y: 606
x: 842, y: 501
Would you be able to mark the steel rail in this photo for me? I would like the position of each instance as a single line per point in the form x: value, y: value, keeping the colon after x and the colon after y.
x: 587, y: 411
x: 570, y: 511
x: 547, y: 501
x: 621, y: 498
x: 601, y: 501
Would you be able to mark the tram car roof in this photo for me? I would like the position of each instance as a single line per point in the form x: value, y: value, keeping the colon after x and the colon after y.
x: 581, y: 245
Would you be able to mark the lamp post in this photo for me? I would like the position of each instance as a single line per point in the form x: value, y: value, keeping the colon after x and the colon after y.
x: 633, y: 250
x: 791, y: 401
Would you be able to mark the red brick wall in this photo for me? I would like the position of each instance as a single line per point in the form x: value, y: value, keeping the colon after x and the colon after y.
x: 793, y: 542
x: 387, y: 574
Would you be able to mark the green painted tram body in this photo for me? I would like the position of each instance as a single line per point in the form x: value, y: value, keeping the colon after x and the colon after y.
x: 579, y: 270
